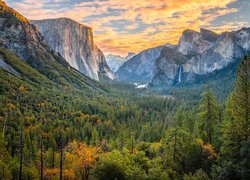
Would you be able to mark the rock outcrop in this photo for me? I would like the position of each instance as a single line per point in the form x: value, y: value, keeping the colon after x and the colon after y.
x: 168, y: 66
x: 199, y: 53
x: 192, y: 42
x: 75, y: 43
x: 140, y: 68
x: 22, y: 39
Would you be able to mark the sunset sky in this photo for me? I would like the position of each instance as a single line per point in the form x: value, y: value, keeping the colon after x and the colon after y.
x: 122, y: 26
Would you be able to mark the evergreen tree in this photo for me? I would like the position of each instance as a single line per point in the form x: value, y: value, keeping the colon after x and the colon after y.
x: 208, y: 116
x: 235, y: 128
x: 241, y: 99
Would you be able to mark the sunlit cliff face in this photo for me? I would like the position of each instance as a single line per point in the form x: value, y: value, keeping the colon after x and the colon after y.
x: 132, y: 26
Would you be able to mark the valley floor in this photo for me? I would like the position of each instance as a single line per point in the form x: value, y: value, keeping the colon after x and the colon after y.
x: 116, y: 132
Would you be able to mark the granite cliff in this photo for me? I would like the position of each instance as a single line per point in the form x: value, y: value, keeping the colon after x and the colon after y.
x: 139, y: 68
x: 75, y: 43
x: 200, y: 53
x: 21, y: 38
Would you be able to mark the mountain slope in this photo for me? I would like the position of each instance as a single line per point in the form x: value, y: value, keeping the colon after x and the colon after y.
x: 140, y: 68
x: 75, y: 43
x: 22, y: 38
x: 12, y: 66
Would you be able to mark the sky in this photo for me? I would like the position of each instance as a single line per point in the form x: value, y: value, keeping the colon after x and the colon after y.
x: 122, y: 26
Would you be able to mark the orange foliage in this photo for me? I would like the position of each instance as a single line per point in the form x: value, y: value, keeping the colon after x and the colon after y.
x: 81, y: 157
x: 51, y: 172
x: 22, y: 89
x: 207, y: 150
x: 54, y: 172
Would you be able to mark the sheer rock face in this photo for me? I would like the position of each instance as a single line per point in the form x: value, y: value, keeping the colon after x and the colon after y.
x: 22, y: 38
x: 140, y: 68
x: 192, y: 42
x: 168, y: 65
x: 75, y: 43
x: 199, y: 53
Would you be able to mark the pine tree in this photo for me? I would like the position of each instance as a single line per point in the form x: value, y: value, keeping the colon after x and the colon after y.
x: 241, y: 99
x: 235, y: 127
x: 208, y: 116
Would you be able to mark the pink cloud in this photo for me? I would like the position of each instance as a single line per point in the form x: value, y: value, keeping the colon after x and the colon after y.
x: 158, y: 15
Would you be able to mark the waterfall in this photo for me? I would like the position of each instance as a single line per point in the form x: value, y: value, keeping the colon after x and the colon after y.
x: 179, y: 76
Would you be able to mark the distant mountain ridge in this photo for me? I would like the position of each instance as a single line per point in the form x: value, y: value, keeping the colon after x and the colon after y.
x: 196, y: 54
x: 139, y: 68
x: 116, y: 61
x: 75, y: 43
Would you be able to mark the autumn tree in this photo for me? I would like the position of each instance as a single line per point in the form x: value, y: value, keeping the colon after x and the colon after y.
x: 81, y: 158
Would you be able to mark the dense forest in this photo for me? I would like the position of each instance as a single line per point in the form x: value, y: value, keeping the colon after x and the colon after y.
x: 50, y: 131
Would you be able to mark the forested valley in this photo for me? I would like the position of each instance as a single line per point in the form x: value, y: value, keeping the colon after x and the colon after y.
x: 49, y: 131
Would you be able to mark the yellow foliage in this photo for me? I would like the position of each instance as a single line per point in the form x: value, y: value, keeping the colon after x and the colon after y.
x: 10, y: 106
x: 122, y: 108
x: 51, y: 173
x: 155, y: 147
x: 200, y: 142
x: 22, y: 89
x: 98, y: 121
x: 80, y: 158
x: 41, y: 104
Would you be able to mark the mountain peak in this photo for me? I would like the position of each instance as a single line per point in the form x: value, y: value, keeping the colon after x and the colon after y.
x: 209, y: 35
x: 62, y: 19
x: 189, y: 32
x: 193, y: 42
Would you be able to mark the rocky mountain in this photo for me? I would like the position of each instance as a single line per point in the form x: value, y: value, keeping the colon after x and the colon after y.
x: 19, y: 37
x: 75, y: 43
x: 200, y: 53
x: 192, y: 42
x: 116, y: 61
x: 140, y: 68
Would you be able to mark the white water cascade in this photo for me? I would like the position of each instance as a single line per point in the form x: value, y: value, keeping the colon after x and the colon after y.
x: 179, y: 76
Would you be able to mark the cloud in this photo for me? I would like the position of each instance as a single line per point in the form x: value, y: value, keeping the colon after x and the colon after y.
x: 124, y: 26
